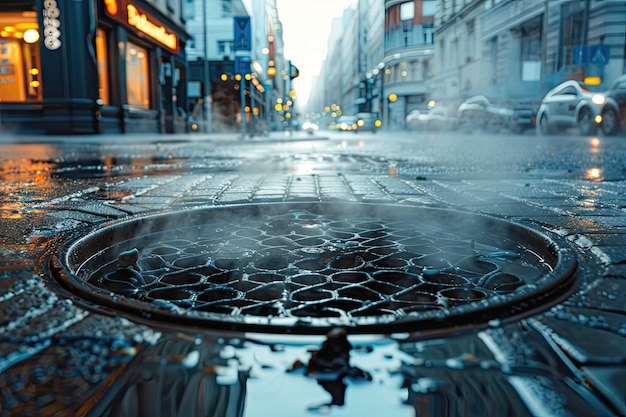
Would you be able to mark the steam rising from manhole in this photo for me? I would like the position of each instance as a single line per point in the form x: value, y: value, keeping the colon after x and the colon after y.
x: 308, y: 267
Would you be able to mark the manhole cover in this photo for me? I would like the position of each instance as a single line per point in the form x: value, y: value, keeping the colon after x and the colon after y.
x: 307, y: 267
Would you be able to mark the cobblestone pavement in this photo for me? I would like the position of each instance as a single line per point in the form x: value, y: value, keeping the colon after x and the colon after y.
x: 61, y: 355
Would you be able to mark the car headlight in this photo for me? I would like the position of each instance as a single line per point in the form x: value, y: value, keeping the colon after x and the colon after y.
x: 598, y: 99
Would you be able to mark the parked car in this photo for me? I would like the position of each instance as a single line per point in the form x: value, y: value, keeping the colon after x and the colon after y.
x: 571, y: 104
x: 614, y: 111
x: 437, y: 118
x: 368, y: 122
x: 346, y: 123
x: 479, y: 112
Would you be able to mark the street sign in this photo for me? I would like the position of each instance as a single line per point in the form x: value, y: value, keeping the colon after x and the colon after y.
x: 599, y: 54
x: 242, y: 34
x: 580, y: 55
x: 242, y: 65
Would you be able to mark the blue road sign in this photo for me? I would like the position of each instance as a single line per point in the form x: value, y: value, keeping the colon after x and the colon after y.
x: 580, y: 55
x: 242, y: 34
x: 242, y: 65
x: 599, y: 54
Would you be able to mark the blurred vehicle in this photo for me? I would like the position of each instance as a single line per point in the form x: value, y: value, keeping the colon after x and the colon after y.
x: 310, y: 126
x: 437, y: 118
x: 614, y: 111
x: 368, y: 122
x: 571, y: 104
x: 346, y: 123
x: 479, y: 112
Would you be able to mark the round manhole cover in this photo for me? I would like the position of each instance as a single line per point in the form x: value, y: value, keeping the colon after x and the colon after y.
x: 304, y: 268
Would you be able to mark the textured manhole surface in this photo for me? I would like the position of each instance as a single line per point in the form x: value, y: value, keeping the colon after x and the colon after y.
x: 308, y: 267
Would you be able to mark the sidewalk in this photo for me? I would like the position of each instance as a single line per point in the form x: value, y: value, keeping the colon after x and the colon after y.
x: 7, y: 137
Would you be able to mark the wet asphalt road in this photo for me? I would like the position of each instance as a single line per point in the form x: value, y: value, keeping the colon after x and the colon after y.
x: 62, y: 356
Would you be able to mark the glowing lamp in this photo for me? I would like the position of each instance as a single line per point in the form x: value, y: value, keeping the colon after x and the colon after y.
x: 111, y: 7
x: 31, y: 36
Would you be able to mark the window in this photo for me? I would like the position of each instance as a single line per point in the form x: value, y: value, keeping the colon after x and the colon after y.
x: 427, y: 67
x: 442, y: 59
x: 429, y: 33
x: 137, y: 78
x: 455, y: 59
x: 571, y: 32
x: 188, y: 9
x: 224, y: 47
x: 20, y: 78
x: 429, y: 7
x: 567, y: 91
x: 227, y: 7
x: 531, y: 39
x: 103, y: 66
x: 471, y: 41
x: 407, y: 11
x: 493, y: 59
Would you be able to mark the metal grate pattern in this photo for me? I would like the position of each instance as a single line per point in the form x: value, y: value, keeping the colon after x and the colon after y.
x: 299, y: 265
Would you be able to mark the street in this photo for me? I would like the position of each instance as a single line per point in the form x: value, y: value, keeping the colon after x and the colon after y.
x: 61, y: 355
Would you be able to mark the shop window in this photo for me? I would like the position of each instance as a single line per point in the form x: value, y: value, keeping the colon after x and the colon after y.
x: 20, y: 70
x: 137, y: 76
x: 103, y: 66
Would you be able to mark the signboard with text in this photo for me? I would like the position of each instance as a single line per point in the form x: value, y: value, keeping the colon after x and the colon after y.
x: 129, y: 14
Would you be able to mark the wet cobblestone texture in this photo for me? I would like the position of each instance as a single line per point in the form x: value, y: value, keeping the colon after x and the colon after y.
x: 62, y: 356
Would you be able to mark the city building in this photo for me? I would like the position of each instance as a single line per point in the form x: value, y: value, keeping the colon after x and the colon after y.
x: 407, y: 66
x: 70, y: 67
x: 517, y: 50
x: 219, y: 63
x: 458, y: 64
x: 346, y: 84
x: 380, y: 59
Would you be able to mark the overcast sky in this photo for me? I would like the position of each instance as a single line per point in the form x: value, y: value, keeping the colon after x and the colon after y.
x: 306, y: 26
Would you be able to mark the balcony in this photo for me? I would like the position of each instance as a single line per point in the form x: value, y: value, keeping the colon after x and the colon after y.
x: 408, y: 38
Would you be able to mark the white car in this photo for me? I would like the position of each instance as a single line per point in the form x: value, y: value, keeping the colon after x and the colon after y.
x: 436, y: 118
x: 570, y: 104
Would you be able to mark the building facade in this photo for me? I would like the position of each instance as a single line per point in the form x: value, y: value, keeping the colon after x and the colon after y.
x: 92, y: 67
x: 216, y: 64
x: 407, y: 66
x: 380, y: 58
x: 517, y: 50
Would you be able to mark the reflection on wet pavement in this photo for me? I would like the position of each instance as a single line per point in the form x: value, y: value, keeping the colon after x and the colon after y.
x: 61, y: 357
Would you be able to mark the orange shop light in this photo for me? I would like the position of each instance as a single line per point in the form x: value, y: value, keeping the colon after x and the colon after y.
x: 111, y: 6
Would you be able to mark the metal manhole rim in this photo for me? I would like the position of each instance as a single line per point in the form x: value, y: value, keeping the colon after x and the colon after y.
x: 474, y: 313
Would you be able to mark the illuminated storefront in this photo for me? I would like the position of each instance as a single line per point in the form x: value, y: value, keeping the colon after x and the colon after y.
x: 151, y: 73
x: 102, y: 66
x: 19, y: 57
